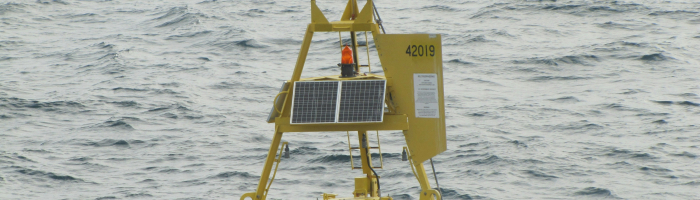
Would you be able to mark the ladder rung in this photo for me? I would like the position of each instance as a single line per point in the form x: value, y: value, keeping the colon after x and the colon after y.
x: 364, y: 65
x: 361, y: 45
x: 369, y: 148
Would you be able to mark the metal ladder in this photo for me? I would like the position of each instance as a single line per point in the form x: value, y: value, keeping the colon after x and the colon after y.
x: 378, y: 147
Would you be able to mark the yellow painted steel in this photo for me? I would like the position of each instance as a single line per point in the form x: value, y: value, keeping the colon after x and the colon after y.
x: 352, y: 162
x: 381, y: 158
x: 425, y: 137
x: 364, y: 155
x: 361, y: 187
x: 260, y: 193
x: 369, y: 64
x: 391, y: 122
x: 418, y: 169
x: 278, y: 160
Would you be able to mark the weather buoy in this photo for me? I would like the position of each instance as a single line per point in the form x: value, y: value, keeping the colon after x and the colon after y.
x: 408, y: 89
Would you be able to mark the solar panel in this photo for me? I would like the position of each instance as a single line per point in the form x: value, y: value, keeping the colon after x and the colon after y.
x: 361, y: 101
x: 314, y: 102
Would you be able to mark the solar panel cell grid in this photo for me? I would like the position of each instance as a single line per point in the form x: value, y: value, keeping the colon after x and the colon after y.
x: 315, y: 102
x: 361, y: 101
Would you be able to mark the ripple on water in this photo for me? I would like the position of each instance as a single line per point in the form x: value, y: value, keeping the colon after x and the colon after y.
x: 233, y: 174
x: 624, y: 153
x: 595, y: 192
x: 43, y: 174
x: 337, y: 158
x: 448, y: 193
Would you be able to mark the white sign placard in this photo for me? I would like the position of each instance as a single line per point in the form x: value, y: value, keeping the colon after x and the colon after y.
x: 425, y: 93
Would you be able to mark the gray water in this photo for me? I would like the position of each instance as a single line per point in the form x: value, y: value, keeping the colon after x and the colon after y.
x: 124, y: 99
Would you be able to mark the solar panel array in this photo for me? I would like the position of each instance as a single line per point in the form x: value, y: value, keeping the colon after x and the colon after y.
x: 338, y: 101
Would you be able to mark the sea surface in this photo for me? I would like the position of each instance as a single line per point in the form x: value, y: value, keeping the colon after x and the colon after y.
x: 167, y: 99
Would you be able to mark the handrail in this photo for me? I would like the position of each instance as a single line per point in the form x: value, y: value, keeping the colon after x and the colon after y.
x: 274, y: 101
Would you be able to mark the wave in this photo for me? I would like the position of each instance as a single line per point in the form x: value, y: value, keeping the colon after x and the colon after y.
x: 138, y: 195
x: 585, y: 9
x: 580, y: 126
x: 459, y: 61
x: 654, y: 57
x: 239, y: 85
x: 239, y: 44
x: 116, y: 123
x: 692, y: 183
x: 190, y: 35
x: 586, y: 60
x: 148, y: 90
x: 682, y: 103
x: 256, y: 13
x: 386, y: 155
x: 448, y: 193
x: 397, y: 174
x: 7, y: 58
x: 105, y: 143
x: 686, y: 154
x: 539, y: 175
x: 337, y: 158
x: 103, y: 58
x: 12, y: 7
x: 227, y: 175
x: 305, y: 151
x: 595, y: 192
x: 288, y: 41
x: 440, y: 8
x: 17, y: 104
x: 402, y: 197
x: 556, y: 78
x: 49, y: 2
x: 476, y: 80
x: 478, y: 38
x: 629, y: 154
x: 460, y: 40
x: 314, y: 168
x: 596, y: 9
x: 177, y: 16
x: 678, y: 15
x: 661, y: 121
x: 625, y: 26
x: 651, y: 169
x: 131, y: 104
x: 11, y: 43
x: 491, y: 160
x: 43, y: 174
x: 566, y: 99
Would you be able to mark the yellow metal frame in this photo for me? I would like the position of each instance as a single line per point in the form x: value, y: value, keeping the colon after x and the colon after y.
x: 399, y: 95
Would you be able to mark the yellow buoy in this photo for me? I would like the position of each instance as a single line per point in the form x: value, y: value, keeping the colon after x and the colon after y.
x: 408, y: 97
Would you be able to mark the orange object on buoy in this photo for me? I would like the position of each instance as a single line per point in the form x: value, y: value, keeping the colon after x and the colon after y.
x: 347, y: 56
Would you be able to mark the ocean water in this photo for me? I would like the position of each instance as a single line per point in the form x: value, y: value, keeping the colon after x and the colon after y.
x: 135, y: 99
